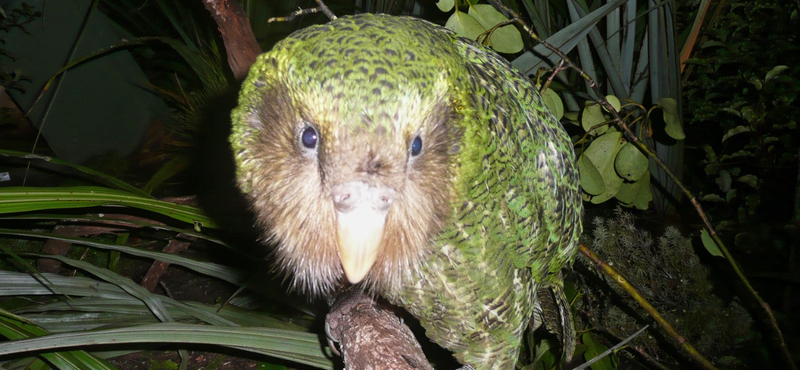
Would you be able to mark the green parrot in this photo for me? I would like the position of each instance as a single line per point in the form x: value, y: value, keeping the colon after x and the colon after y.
x: 390, y: 152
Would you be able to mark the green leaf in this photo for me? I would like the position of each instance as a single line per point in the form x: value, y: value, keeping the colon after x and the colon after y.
x: 290, y: 345
x: 572, y: 116
x: 735, y: 131
x: 732, y: 111
x: 446, y: 5
x: 24, y: 199
x: 464, y: 25
x: 553, y: 102
x: 775, y: 72
x: 565, y: 40
x: 614, y: 101
x: 169, y: 169
x: 672, y: 118
x: 635, y: 194
x: 711, y: 43
x: 16, y: 328
x: 602, y: 152
x: 712, y: 198
x: 630, y: 163
x: 506, y: 39
x: 724, y: 181
x: 770, y: 139
x: 594, y: 349
x: 99, y: 176
x: 591, y: 117
x: 749, y: 179
x: 755, y: 82
x: 207, y: 268
x: 591, y: 180
x: 710, y: 244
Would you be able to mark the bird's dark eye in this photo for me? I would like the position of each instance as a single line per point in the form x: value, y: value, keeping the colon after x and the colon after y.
x: 416, y: 146
x: 309, y: 137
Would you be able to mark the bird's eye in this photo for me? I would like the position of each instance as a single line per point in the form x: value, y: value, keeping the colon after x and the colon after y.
x: 309, y: 137
x: 416, y: 146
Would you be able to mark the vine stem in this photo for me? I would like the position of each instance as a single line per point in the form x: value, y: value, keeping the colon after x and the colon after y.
x: 773, y: 324
x: 668, y: 328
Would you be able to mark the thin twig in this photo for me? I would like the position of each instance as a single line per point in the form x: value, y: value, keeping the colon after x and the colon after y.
x: 781, y: 343
x: 322, y: 8
x: 668, y: 328
x: 294, y: 15
x: 556, y: 71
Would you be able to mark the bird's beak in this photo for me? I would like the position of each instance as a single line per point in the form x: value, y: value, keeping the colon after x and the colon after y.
x: 360, y: 218
x: 360, y: 234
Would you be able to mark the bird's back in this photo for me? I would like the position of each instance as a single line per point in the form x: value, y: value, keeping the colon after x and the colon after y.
x: 515, y: 221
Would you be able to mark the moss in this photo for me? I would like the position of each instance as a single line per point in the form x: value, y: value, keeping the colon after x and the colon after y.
x: 671, y: 277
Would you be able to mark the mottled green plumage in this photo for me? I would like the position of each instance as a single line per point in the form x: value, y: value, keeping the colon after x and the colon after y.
x: 483, y: 219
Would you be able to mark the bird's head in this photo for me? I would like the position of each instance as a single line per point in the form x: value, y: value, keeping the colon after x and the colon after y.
x: 347, y: 160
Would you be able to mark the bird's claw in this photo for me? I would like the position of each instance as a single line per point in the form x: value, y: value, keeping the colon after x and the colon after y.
x: 331, y: 340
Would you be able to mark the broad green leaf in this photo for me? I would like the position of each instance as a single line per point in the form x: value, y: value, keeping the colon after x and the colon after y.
x: 674, y: 127
x: 553, y: 102
x: 749, y: 179
x: 710, y: 244
x: 635, y: 194
x: 735, y: 131
x: 755, y: 82
x: 630, y: 163
x: 732, y: 111
x: 506, y: 39
x: 614, y: 101
x: 770, y: 139
x: 711, y: 44
x: 594, y: 349
x: 602, y: 152
x: 464, y: 25
x: 724, y: 181
x: 591, y: 117
x: 572, y: 117
x: 774, y: 72
x: 446, y: 5
x: 712, y: 198
x: 591, y: 180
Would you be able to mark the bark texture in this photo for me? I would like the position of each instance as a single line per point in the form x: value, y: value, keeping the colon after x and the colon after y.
x: 240, y: 42
x: 370, y: 336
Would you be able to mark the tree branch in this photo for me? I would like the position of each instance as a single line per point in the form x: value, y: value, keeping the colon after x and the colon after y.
x: 370, y: 336
x: 237, y: 35
x: 668, y: 328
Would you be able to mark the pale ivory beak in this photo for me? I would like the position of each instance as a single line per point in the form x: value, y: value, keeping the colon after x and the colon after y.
x: 360, y: 233
x: 360, y: 218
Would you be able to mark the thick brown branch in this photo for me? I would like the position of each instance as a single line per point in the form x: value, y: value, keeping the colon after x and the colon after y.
x: 240, y: 42
x: 370, y: 336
